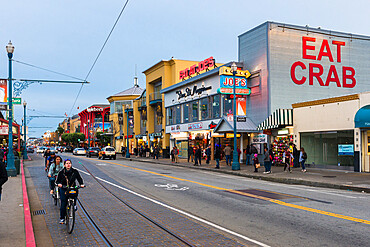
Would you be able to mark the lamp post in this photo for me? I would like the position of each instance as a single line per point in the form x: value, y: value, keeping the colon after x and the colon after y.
x: 127, y: 128
x: 10, y: 157
x: 235, y: 164
x: 25, y: 157
x: 88, y: 133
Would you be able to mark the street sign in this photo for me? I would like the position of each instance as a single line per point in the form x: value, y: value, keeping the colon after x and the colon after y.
x: 3, y: 106
x: 17, y: 101
x: 241, y: 119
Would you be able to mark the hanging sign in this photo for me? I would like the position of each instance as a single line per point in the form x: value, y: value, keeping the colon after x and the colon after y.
x: 227, y: 81
x: 3, y: 90
x: 17, y: 101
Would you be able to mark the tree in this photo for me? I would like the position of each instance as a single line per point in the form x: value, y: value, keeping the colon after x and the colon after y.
x: 103, y: 139
x: 60, y: 131
x: 73, y: 138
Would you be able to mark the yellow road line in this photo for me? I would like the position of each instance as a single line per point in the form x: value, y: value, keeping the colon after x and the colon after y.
x: 339, y: 216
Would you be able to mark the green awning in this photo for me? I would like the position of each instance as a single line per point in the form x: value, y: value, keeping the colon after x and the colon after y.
x: 362, y: 117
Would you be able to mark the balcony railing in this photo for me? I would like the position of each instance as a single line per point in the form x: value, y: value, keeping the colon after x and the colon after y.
x: 155, y: 97
x: 142, y: 102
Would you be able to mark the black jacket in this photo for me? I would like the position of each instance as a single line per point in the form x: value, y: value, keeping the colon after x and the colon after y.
x: 217, y: 153
x: 72, y: 175
x: 3, y: 175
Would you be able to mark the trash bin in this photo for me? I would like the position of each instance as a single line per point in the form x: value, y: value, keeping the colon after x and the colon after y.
x: 17, y: 164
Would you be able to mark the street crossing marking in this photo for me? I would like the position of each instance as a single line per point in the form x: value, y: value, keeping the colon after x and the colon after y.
x: 339, y: 216
x: 171, y: 187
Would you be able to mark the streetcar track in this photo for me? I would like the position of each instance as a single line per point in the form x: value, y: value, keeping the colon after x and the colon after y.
x: 159, y: 225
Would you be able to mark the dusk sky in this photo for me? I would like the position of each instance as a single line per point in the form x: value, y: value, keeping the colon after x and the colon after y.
x: 66, y: 36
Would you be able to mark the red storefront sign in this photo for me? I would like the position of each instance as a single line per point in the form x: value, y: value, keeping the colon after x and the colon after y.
x: 346, y: 76
x: 196, y: 68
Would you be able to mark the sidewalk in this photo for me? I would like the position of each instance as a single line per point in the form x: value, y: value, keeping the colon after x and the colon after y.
x: 336, y: 179
x: 12, y: 231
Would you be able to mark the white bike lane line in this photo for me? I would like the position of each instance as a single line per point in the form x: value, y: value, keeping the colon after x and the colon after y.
x: 182, y: 212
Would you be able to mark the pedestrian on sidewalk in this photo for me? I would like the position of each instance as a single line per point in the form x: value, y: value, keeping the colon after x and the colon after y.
x: 228, y: 151
x: 208, y: 154
x: 177, y: 151
x: 173, y: 154
x: 248, y: 155
x: 287, y: 158
x: 3, y: 172
x: 217, y: 156
x: 295, y: 156
x: 256, y: 162
x: 302, y: 159
x: 198, y: 156
x: 156, y: 152
x: 267, y: 161
x: 191, y: 154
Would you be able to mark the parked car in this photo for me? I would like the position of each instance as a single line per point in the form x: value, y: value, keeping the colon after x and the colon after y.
x: 30, y: 150
x: 68, y: 149
x: 54, y: 149
x: 107, y: 152
x: 92, y: 151
x: 79, y: 151
x: 41, y: 149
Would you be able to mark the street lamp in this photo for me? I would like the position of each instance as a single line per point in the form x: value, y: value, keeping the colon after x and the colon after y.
x: 25, y: 157
x: 127, y: 128
x: 10, y: 157
x: 88, y: 133
x: 235, y: 164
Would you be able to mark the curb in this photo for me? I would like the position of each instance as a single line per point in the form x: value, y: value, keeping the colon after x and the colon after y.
x: 265, y: 178
x: 30, y: 237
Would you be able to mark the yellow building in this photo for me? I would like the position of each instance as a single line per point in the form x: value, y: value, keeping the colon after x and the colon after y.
x: 162, y: 75
x: 74, y: 124
x: 124, y: 124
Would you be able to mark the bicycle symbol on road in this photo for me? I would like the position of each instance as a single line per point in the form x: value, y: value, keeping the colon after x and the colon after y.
x: 171, y: 187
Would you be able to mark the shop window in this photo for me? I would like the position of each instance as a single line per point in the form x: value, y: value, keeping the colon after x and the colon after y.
x: 216, y: 110
x: 254, y: 83
x: 178, y: 114
x: 227, y: 104
x: 194, y: 111
x: 204, y: 109
x: 185, y: 110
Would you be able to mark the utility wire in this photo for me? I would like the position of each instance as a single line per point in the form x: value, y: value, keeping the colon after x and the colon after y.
x: 97, y: 57
x: 52, y: 71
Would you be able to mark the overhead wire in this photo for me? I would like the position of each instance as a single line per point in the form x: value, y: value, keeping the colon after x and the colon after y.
x: 48, y: 70
x: 97, y: 57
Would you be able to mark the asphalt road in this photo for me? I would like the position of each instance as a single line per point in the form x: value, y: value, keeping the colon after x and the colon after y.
x: 249, y: 212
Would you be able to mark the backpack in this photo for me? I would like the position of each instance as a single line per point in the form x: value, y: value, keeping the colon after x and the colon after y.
x: 304, y: 155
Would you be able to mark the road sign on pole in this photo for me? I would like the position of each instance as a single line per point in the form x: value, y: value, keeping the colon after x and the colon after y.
x: 17, y: 101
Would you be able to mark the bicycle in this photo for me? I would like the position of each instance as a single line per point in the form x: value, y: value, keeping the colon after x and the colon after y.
x: 72, y: 193
x: 56, y: 196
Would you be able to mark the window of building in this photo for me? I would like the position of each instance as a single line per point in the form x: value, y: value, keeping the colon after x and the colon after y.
x: 254, y: 83
x: 170, y: 115
x: 185, y: 110
x: 216, y: 106
x: 227, y: 104
x: 204, y: 109
x: 194, y: 111
x: 177, y: 114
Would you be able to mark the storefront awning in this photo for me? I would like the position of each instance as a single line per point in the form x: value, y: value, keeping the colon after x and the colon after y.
x: 362, y: 117
x: 224, y: 126
x: 278, y: 119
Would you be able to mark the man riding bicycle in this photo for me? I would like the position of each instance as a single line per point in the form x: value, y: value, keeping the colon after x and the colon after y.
x: 54, y: 169
x: 67, y: 178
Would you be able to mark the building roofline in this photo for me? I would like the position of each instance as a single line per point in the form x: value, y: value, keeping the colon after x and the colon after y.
x: 327, y: 101
x: 311, y: 30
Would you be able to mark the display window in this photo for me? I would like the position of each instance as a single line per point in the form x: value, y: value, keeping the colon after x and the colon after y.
x: 280, y: 145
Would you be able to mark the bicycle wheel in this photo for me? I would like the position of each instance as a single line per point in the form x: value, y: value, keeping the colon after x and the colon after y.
x: 71, y: 217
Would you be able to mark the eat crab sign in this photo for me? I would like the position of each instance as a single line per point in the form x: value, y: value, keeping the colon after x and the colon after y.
x: 316, y: 71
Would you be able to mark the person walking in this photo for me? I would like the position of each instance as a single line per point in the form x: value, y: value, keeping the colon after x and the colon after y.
x: 287, y: 158
x: 3, y: 174
x: 173, y: 154
x: 302, y: 159
x: 248, y: 155
x: 156, y: 152
x: 256, y: 162
x: 177, y: 151
x: 295, y: 156
x: 208, y: 154
x: 267, y: 161
x: 191, y: 154
x: 217, y: 156
x: 228, y: 151
x: 198, y: 156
